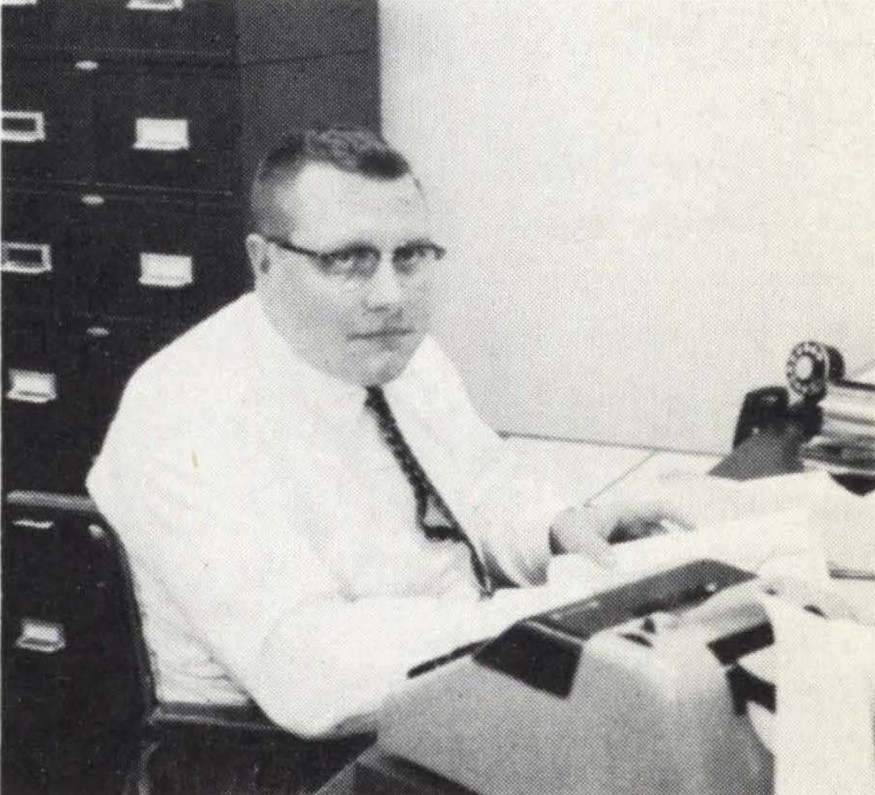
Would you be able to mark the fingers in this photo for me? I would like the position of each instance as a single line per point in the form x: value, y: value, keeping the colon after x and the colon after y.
x: 580, y: 530
x: 593, y: 546
x: 626, y: 521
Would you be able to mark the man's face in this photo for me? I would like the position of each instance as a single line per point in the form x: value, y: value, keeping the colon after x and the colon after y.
x: 362, y: 329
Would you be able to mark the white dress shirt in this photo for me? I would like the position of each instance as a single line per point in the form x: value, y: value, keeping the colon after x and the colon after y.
x: 273, y: 536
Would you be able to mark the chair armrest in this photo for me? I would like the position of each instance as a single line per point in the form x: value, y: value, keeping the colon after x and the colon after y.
x: 246, y: 718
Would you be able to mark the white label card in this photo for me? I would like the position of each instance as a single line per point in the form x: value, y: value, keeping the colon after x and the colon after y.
x: 161, y: 135
x: 42, y: 636
x: 166, y: 270
x: 155, y: 5
x: 30, y: 386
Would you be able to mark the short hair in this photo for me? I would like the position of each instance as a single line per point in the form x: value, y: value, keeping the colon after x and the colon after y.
x: 356, y: 150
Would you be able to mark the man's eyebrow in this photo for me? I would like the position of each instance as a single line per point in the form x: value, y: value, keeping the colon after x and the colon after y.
x: 421, y: 240
x: 351, y: 244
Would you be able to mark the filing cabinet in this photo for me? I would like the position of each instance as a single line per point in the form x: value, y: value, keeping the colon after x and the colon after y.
x: 130, y: 131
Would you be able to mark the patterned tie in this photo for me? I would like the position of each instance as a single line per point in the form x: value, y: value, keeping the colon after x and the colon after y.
x: 433, y: 514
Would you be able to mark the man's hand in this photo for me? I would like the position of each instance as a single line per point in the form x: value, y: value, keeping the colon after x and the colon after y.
x: 590, y: 529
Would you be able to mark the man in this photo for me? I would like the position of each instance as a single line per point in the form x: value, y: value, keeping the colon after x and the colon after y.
x: 309, y: 501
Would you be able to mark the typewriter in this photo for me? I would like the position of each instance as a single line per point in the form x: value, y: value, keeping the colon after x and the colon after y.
x: 613, y: 695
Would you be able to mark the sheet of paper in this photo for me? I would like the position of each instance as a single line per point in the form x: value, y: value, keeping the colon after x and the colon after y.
x: 844, y: 521
x: 822, y: 733
x: 768, y: 544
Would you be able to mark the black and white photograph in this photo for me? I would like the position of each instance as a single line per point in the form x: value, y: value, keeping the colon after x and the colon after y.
x: 455, y: 397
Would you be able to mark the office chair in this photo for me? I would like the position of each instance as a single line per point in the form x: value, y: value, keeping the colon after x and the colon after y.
x: 71, y: 606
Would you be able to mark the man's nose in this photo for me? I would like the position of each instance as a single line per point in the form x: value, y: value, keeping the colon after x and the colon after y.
x: 384, y: 289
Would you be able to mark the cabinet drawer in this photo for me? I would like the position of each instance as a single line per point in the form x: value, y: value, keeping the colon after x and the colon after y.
x: 61, y: 387
x: 209, y: 31
x: 46, y: 121
x: 168, y: 26
x: 175, y: 130
x: 35, y: 248
x: 86, y: 121
x: 162, y: 261
x: 172, y: 129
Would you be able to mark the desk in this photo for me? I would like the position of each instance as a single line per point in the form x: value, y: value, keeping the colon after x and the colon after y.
x: 773, y: 452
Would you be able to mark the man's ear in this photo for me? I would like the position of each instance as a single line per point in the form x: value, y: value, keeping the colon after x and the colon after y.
x: 256, y: 248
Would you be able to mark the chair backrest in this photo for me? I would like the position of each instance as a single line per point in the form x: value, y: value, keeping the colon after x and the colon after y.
x: 76, y: 678
x: 69, y: 594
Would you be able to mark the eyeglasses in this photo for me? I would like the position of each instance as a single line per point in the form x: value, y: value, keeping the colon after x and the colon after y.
x: 359, y: 263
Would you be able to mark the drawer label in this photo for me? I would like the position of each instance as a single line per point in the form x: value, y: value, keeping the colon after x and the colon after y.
x: 155, y: 5
x: 161, y: 135
x: 41, y: 636
x: 30, y: 386
x: 165, y: 270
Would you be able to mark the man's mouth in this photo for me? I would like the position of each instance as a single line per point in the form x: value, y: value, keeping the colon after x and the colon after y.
x: 384, y: 333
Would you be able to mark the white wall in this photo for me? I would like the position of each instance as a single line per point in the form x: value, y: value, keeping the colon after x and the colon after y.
x: 647, y: 203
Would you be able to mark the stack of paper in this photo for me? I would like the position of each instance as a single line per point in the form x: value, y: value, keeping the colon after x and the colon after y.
x: 846, y: 443
x: 823, y: 732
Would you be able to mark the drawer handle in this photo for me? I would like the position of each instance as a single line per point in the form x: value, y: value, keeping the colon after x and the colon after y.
x: 155, y: 5
x: 23, y: 126
x: 165, y: 270
x: 28, y: 258
x: 34, y: 524
x: 41, y: 636
x: 97, y: 332
x: 30, y: 386
x: 18, y: 2
x: 161, y: 135
x: 87, y: 66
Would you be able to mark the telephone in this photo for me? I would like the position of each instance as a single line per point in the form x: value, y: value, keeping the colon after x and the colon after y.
x: 811, y: 366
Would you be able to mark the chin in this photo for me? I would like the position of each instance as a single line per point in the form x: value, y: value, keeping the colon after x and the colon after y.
x: 382, y: 369
x: 384, y: 373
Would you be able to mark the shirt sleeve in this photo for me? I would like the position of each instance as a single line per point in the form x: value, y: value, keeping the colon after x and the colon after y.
x: 506, y: 508
x: 317, y: 664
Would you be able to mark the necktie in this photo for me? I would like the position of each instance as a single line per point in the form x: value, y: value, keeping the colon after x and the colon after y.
x: 434, y: 515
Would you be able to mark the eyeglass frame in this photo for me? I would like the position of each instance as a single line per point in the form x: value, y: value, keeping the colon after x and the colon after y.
x: 326, y: 259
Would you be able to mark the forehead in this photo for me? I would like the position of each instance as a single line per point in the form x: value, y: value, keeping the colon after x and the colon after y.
x: 326, y: 202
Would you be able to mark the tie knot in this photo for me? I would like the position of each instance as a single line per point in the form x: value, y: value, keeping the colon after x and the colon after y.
x: 376, y: 400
